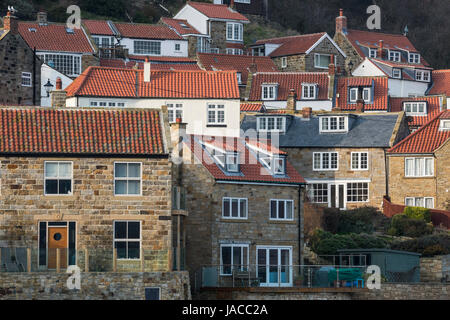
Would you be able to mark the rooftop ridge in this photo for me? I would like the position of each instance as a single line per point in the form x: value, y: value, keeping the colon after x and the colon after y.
x: 293, y: 36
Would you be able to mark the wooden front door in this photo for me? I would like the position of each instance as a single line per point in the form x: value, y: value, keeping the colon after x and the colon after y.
x: 57, y: 238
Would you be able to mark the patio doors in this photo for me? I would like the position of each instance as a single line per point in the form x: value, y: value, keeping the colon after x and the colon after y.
x: 274, y: 266
x: 337, y: 195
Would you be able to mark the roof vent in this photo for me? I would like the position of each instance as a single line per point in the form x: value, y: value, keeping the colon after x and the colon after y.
x: 32, y: 29
x: 70, y: 31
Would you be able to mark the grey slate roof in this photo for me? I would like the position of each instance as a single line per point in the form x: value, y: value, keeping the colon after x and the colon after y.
x: 366, y: 131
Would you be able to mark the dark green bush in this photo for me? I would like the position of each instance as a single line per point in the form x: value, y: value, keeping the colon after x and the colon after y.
x: 323, y: 242
x: 418, y: 213
x: 331, y: 217
x: 428, y: 245
x: 402, y: 225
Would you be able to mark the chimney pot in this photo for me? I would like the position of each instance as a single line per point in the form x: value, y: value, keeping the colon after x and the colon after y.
x: 58, y: 84
x: 291, y: 100
x: 341, y: 22
x: 341, y: 12
x: 380, y: 49
x: 10, y: 23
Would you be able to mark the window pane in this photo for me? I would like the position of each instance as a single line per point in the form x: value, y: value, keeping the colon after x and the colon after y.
x: 429, y: 203
x: 133, y: 250
x: 65, y: 186
x: 120, y: 170
x: 51, y: 169
x: 121, y: 187
x: 409, y: 202
x: 243, y: 208
x: 273, y: 209
x: 429, y: 166
x: 226, y: 260
x: 134, y: 170
x: 234, y: 208
x: 51, y: 186
x: 419, y: 202
x: 226, y: 207
x: 65, y: 170
x: 133, y: 230
x: 281, y: 210
x: 289, y: 210
x: 237, y: 262
x: 121, y: 247
x: 120, y: 230
x: 134, y: 187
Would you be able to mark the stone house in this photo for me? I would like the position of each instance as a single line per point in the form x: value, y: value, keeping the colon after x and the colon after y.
x: 244, y: 203
x: 87, y: 179
x: 441, y: 85
x: 419, y: 166
x: 208, y: 101
x: 69, y: 51
x: 341, y: 155
x: 245, y: 66
x: 20, y: 69
x: 302, y: 53
x: 223, y: 25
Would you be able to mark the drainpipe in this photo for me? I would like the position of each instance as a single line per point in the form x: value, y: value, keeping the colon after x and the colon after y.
x: 34, y: 77
x: 300, y: 224
x: 386, y: 171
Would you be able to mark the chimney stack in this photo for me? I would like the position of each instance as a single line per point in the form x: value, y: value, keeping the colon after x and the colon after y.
x: 10, y: 23
x: 291, y: 100
x: 42, y: 18
x: 380, y: 49
x: 232, y: 4
x: 177, y: 134
x: 58, y: 96
x: 306, y: 112
x: 147, y: 70
x: 331, y: 66
x: 341, y: 22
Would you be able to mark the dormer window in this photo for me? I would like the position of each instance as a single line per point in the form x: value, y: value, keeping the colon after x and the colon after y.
x: 229, y: 161
x: 415, y: 108
x: 414, y: 58
x: 275, y: 163
x: 396, y: 73
x: 239, y: 77
x: 444, y: 125
x: 271, y: 124
x: 309, y: 90
x: 269, y: 91
x: 372, y: 53
x: 394, y: 56
x: 333, y: 124
x: 423, y: 75
x: 353, y: 96
x: 232, y: 162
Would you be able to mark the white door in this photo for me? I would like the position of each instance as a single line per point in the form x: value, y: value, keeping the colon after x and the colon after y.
x: 337, y: 195
x: 274, y: 266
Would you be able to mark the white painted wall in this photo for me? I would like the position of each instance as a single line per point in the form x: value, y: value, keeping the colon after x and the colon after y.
x: 50, y: 73
x: 405, y: 88
x: 270, y: 47
x: 367, y: 68
x: 167, y: 47
x: 195, y: 18
x: 194, y: 112
x: 323, y: 105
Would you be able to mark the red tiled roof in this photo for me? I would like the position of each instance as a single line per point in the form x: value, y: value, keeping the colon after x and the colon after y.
x: 146, y: 31
x: 433, y: 108
x: 251, y: 170
x: 287, y: 81
x: 217, y: 11
x: 177, y: 24
x: 240, y: 63
x: 380, y: 98
x: 99, y: 27
x: 65, y: 131
x: 371, y: 39
x: 359, y: 81
x: 120, y: 63
x: 114, y: 82
x: 293, y: 44
x: 441, y: 82
x: 426, y: 139
x: 53, y: 37
x: 252, y: 107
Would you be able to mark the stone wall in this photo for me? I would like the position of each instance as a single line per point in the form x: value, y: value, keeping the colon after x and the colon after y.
x: 295, y: 63
x: 411, y: 291
x: 301, y: 159
x: 218, y: 34
x: 94, y: 286
x: 88, y: 60
x: 349, y: 50
x: 442, y: 171
x: 92, y: 205
x: 431, y: 269
x: 16, y: 57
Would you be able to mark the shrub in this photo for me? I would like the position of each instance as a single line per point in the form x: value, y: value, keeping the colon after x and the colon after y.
x: 418, y: 213
x: 429, y: 245
x: 323, y: 242
x: 359, y: 220
x: 331, y: 217
x: 402, y: 225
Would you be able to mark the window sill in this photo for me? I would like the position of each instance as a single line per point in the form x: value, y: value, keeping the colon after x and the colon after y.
x: 282, y: 221
x: 59, y: 197
x: 216, y: 125
x: 135, y: 197
x: 424, y: 177
x: 234, y: 220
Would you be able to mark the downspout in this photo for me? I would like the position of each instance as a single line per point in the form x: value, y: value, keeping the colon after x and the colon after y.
x: 34, y: 76
x: 386, y: 172
x: 300, y: 225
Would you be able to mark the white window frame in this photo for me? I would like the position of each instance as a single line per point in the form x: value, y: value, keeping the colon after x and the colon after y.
x: 100, y: 41
x: 235, y: 27
x: 242, y: 1
x: 63, y: 62
x: 315, y: 192
x: 239, y: 77
x: 58, y: 178
x: 325, y: 124
x: 269, y: 162
x: 321, y: 160
x: 317, y: 58
x: 347, y: 194
x: 147, y: 47
x: 285, y: 210
x: 27, y: 79
x: 177, y: 45
x: 276, y: 124
x: 415, y: 104
x: 423, y: 161
x: 367, y: 90
x: 415, y: 199
x: 232, y: 245
x: 235, y: 51
x: 394, y: 56
x: 127, y: 179
x: 414, y: 58
x: 283, y: 62
x: 128, y: 239
x: 232, y: 166
x: 174, y: 110
x: 395, y: 75
x: 217, y: 110
x: 308, y: 87
x: 239, y: 217
x: 423, y: 75
x: 359, y: 160
x: 444, y: 125
x: 372, y: 53
x: 271, y: 93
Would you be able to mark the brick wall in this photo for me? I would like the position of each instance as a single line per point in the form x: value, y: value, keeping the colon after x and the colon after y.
x: 92, y: 206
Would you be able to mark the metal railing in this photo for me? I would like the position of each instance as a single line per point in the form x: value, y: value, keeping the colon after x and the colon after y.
x: 299, y: 276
